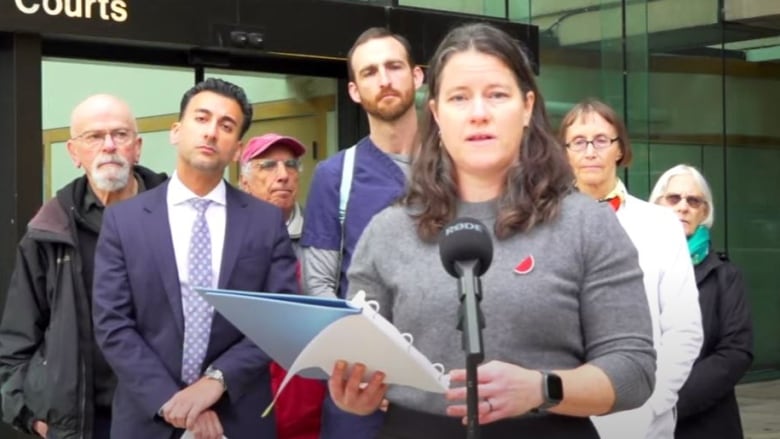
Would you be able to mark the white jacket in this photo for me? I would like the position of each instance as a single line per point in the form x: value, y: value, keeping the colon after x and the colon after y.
x: 674, y: 308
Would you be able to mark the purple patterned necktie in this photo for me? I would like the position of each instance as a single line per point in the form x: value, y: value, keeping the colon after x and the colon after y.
x: 197, y: 312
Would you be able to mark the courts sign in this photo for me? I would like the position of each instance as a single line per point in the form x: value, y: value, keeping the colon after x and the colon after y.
x: 108, y: 10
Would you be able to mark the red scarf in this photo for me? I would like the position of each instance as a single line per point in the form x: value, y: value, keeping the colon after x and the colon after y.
x: 615, y: 197
x: 614, y: 202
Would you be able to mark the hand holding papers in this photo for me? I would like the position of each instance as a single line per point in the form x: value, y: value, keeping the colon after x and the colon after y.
x: 306, y: 335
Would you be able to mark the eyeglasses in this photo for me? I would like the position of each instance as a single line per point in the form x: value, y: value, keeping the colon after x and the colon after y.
x: 692, y: 200
x: 97, y: 138
x: 272, y: 164
x: 579, y: 144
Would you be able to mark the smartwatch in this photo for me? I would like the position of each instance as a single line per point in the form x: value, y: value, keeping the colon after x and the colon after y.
x: 552, y: 391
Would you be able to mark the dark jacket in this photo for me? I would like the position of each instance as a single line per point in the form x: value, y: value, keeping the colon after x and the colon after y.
x: 46, y: 336
x: 707, y: 406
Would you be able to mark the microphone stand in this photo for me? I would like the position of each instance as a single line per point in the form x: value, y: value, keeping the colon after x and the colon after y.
x: 470, y: 323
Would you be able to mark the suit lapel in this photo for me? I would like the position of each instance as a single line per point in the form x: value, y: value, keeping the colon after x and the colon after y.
x: 158, y: 226
x: 235, y: 225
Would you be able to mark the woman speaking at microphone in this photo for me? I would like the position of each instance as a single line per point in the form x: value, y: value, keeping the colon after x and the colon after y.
x: 564, y: 305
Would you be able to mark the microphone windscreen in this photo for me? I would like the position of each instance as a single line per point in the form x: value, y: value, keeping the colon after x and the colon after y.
x: 463, y: 240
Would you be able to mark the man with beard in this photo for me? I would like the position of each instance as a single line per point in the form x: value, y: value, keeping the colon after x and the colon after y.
x: 55, y: 382
x: 383, y: 80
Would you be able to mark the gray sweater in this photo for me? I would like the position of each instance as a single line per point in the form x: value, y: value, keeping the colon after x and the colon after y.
x: 583, y: 301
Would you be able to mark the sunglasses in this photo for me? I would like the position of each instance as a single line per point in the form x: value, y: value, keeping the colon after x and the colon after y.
x: 692, y: 200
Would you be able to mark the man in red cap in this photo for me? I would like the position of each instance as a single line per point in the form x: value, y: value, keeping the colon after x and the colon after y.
x: 270, y: 167
x: 270, y: 170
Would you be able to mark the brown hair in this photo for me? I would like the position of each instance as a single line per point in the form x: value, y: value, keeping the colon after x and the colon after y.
x: 374, y: 33
x: 591, y: 106
x: 534, y: 187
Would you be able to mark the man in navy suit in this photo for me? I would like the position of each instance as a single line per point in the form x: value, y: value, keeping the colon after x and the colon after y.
x: 179, y: 365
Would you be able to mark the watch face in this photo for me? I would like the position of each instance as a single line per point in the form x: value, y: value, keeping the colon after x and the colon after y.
x: 554, y: 387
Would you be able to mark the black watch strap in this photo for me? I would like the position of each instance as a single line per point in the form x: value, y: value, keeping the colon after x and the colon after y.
x: 552, y: 391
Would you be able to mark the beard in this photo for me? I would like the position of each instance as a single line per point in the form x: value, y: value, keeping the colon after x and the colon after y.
x: 390, y: 112
x: 111, y: 178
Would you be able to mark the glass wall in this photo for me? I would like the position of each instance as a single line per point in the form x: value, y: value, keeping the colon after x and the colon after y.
x: 715, y: 105
x: 693, y: 89
x: 750, y: 215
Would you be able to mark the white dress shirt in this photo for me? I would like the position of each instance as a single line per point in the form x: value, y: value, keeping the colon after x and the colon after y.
x: 181, y: 217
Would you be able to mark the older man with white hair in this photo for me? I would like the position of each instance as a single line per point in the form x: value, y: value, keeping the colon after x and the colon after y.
x: 54, y: 381
x: 270, y: 171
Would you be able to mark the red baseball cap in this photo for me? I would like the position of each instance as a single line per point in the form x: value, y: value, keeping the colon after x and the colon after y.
x: 258, y: 145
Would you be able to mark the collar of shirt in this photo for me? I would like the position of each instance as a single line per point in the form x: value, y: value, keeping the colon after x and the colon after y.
x: 91, y: 208
x: 295, y: 222
x: 619, y: 192
x: 178, y: 193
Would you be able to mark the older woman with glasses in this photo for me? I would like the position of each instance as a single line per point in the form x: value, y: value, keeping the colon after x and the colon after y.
x: 707, y: 406
x: 596, y: 142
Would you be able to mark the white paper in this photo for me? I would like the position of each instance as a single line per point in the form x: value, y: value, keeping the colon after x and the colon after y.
x: 368, y: 338
x: 401, y: 362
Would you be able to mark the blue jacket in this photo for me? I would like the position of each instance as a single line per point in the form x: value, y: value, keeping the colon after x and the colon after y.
x: 377, y: 182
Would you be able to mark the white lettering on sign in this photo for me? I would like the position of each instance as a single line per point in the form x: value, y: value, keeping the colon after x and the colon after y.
x: 26, y: 9
x: 108, y: 10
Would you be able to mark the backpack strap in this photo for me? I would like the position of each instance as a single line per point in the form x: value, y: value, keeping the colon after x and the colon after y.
x: 347, y: 171
x: 348, y: 168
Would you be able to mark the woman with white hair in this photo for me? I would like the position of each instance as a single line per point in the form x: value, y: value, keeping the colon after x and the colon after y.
x: 707, y: 406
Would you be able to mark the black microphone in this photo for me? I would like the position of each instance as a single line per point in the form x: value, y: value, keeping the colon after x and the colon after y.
x: 466, y: 251
x: 462, y: 241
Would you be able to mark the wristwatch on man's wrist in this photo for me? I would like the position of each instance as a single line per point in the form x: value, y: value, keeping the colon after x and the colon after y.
x: 215, y: 374
x: 552, y: 391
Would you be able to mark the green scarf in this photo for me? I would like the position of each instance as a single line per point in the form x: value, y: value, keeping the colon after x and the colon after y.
x: 699, y: 244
